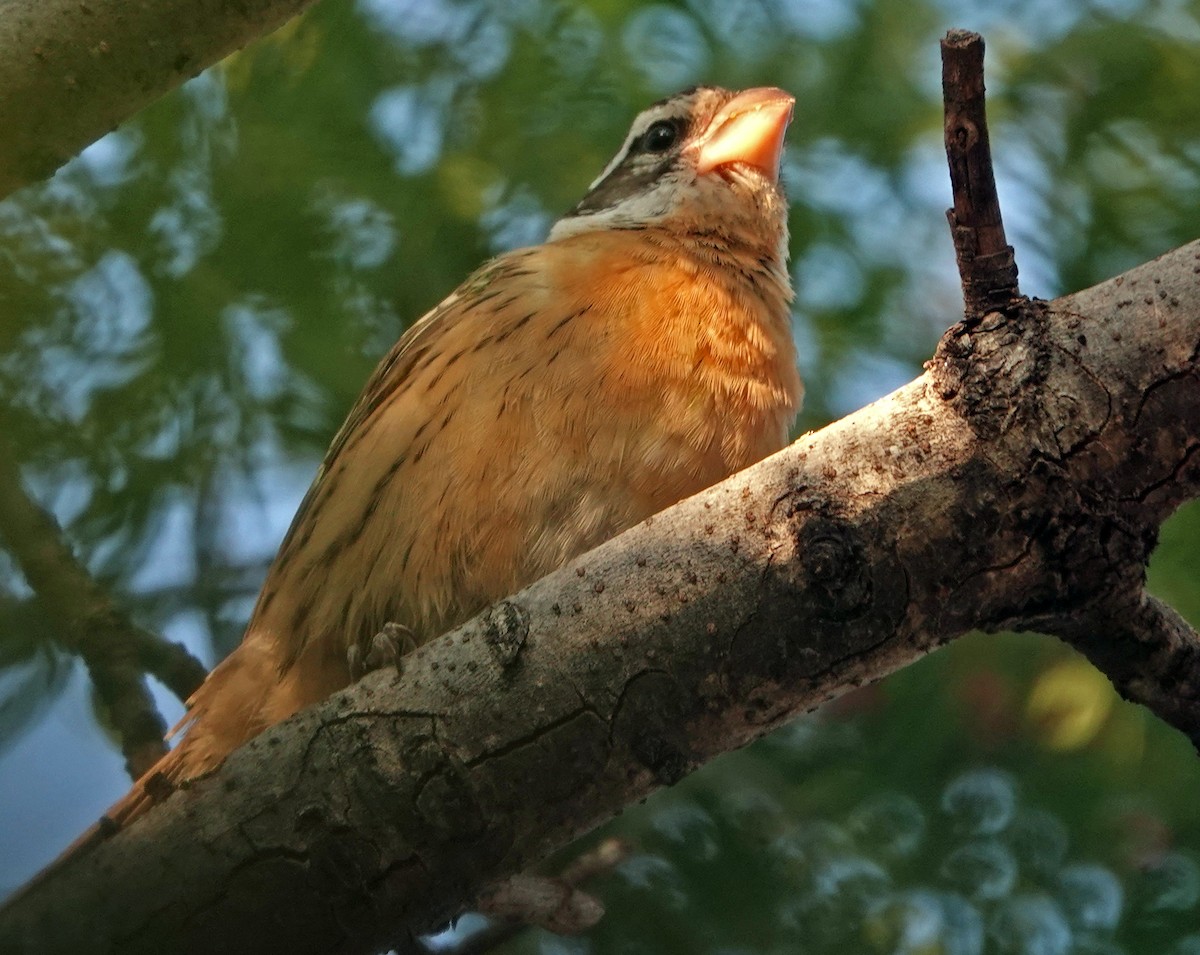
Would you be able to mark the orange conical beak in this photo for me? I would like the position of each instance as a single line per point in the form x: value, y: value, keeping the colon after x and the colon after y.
x: 748, y: 129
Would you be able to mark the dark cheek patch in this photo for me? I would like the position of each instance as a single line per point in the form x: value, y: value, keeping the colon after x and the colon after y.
x: 624, y: 181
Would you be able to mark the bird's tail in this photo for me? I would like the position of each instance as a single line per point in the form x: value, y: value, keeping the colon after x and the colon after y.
x: 162, y: 779
x: 154, y: 786
x: 247, y: 692
x: 223, y: 713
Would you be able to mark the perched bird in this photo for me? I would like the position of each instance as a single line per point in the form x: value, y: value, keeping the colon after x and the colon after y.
x: 560, y: 395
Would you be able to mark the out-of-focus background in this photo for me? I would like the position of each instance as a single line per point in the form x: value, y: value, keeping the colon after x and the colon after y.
x: 188, y: 309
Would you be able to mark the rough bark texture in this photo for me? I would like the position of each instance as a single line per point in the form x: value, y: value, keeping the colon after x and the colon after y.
x: 71, y: 70
x: 1018, y: 484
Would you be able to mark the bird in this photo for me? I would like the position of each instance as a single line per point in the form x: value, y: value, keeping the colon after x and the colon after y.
x: 562, y: 394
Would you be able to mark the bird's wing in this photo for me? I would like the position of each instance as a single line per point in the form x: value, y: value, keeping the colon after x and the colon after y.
x: 392, y: 371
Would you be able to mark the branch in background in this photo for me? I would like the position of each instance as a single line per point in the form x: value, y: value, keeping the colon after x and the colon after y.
x: 71, y: 71
x: 985, y: 259
x: 116, y: 651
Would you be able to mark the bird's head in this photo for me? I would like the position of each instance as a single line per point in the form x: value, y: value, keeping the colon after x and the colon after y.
x: 702, y: 160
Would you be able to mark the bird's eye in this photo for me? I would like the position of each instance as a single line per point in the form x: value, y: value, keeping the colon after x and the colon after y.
x: 660, y: 137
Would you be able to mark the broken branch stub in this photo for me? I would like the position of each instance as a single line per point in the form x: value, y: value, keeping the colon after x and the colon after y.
x: 986, y: 263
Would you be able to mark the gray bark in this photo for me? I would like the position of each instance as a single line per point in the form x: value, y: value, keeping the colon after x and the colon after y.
x: 71, y: 70
x: 1018, y: 484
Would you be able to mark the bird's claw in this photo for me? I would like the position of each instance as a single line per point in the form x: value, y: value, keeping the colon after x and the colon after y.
x: 385, y: 649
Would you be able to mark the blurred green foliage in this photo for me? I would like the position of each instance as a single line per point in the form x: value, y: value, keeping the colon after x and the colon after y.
x: 189, y: 308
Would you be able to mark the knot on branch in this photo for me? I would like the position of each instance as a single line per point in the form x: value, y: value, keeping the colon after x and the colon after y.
x: 505, y: 628
x: 649, y: 718
x: 835, y: 584
x: 990, y: 368
x: 665, y: 759
x: 834, y: 568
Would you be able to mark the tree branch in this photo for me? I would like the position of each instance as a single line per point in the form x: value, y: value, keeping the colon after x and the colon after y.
x: 70, y: 71
x: 1021, y: 479
x: 116, y: 651
x: 1151, y: 654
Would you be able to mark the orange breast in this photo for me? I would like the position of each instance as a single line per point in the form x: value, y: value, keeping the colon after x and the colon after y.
x: 697, y: 352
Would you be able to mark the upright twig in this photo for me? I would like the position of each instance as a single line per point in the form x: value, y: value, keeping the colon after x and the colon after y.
x: 1144, y: 646
x: 985, y: 259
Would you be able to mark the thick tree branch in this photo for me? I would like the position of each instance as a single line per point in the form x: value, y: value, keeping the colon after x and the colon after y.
x: 1019, y: 482
x: 117, y: 652
x: 71, y: 70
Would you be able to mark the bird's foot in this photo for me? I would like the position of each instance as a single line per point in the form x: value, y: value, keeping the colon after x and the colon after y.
x: 552, y: 904
x: 385, y: 649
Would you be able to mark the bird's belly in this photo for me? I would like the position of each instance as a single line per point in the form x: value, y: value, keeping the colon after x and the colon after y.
x: 482, y: 515
x: 552, y: 495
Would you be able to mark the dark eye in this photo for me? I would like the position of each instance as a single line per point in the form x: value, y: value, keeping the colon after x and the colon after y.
x: 660, y: 137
